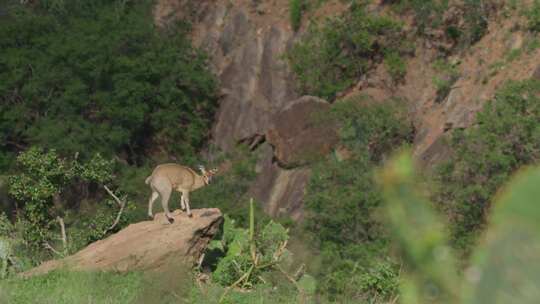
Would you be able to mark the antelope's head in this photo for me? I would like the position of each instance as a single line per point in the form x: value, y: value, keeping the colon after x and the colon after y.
x: 207, y: 175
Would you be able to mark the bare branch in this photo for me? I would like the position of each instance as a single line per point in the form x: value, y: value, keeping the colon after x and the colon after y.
x: 121, y: 204
x: 201, y: 259
x: 118, y: 201
x: 51, y: 248
x: 63, y: 231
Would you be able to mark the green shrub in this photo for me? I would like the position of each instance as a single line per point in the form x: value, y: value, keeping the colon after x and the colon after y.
x: 505, y: 266
x: 228, y: 189
x: 533, y: 16
x: 428, y: 13
x: 334, y: 54
x: 395, y: 65
x: 296, y: 7
x: 342, y: 202
x: 448, y: 75
x: 254, y: 258
x: 91, y: 76
x: 46, y: 189
x: 467, y: 29
x: 506, y: 135
x: 370, y: 127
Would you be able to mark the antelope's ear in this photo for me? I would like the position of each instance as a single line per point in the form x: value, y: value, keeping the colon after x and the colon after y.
x: 214, y: 171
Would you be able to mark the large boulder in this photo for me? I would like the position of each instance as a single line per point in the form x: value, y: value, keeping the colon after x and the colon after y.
x: 280, y: 190
x: 147, y: 245
x: 297, y: 133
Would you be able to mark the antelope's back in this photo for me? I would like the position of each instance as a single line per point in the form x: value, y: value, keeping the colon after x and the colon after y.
x: 177, y: 174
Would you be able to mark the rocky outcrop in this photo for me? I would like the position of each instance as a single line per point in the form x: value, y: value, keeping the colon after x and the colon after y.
x: 148, y: 245
x: 280, y: 190
x: 246, y: 44
x: 298, y: 133
x: 246, y: 41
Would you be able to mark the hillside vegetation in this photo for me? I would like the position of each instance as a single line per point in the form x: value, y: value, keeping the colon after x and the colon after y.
x: 93, y: 94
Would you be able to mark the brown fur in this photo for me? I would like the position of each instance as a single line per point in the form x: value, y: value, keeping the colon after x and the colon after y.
x: 168, y: 177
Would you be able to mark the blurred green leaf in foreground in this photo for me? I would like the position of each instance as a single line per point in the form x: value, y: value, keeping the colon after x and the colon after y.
x: 505, y: 267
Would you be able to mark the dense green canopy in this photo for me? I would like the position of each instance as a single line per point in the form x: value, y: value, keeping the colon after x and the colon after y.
x: 97, y: 76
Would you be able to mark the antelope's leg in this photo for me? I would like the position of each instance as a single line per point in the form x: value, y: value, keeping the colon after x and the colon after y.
x: 151, y: 201
x: 185, y: 196
x: 182, y: 202
x: 165, y: 190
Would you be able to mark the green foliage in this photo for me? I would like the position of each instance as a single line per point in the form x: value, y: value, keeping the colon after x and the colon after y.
x: 227, y: 191
x: 332, y: 55
x: 476, y: 13
x: 96, y: 76
x: 256, y: 260
x: 370, y: 128
x: 395, y: 65
x: 504, y: 268
x: 44, y: 177
x: 506, y: 136
x: 296, y: 8
x: 430, y: 271
x: 6, y: 245
x: 342, y: 202
x: 427, y: 12
x: 507, y: 262
x: 448, y: 75
x: 263, y: 294
x: 533, y: 16
x: 48, y: 187
x: 468, y: 28
x: 248, y: 256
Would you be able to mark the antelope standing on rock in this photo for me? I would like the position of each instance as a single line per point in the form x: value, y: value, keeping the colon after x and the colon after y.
x: 168, y: 177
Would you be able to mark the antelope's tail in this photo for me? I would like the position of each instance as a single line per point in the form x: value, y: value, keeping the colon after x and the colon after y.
x: 147, y: 180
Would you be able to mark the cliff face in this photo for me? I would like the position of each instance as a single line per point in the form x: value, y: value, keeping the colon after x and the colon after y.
x: 246, y: 41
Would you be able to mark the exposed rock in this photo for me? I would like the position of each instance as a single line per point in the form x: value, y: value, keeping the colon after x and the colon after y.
x: 246, y: 51
x: 296, y: 134
x: 148, y: 245
x: 281, y: 190
x: 536, y: 73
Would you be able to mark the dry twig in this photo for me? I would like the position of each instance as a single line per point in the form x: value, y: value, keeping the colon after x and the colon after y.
x: 121, y: 204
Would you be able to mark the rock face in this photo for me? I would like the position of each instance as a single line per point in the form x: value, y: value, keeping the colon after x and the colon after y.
x: 246, y: 50
x: 148, y: 245
x: 280, y: 190
x: 246, y: 41
x: 297, y: 134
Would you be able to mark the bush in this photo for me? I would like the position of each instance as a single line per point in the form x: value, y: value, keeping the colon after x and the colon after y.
x: 334, y: 54
x: 95, y: 76
x: 228, y: 189
x: 448, y: 75
x: 533, y: 16
x: 428, y: 13
x: 296, y: 7
x: 467, y: 29
x: 342, y: 202
x: 395, y: 65
x: 506, y: 135
x: 251, y: 259
x: 504, y: 266
x: 49, y: 187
